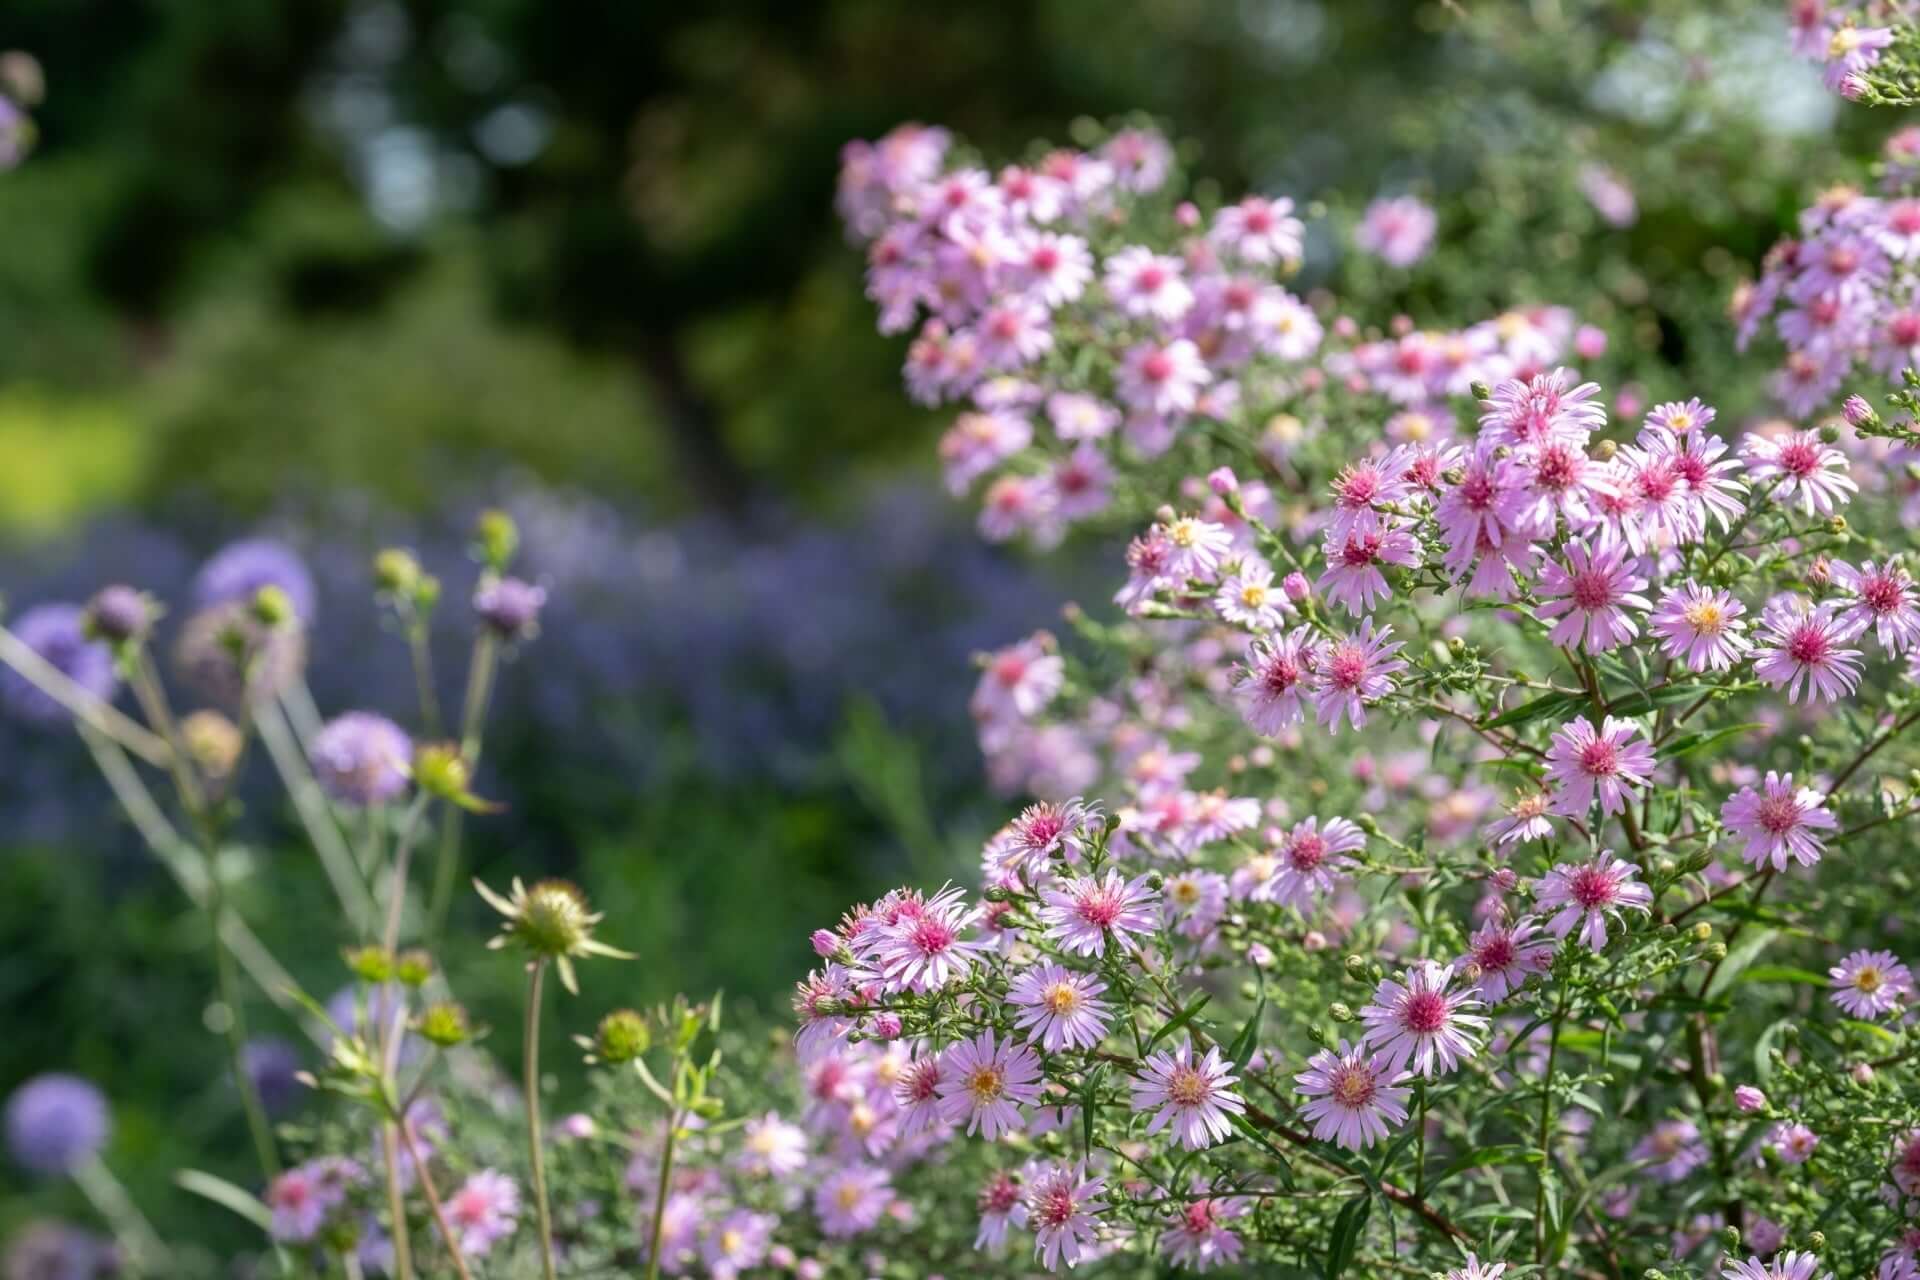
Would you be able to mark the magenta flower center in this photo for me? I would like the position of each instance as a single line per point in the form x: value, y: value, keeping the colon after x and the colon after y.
x: 1259, y: 220
x: 1199, y: 1217
x: 1054, y: 1207
x: 931, y: 937
x: 1882, y: 593
x: 1495, y: 953
x: 1280, y: 675
x: 1346, y: 667
x: 1000, y: 1195
x: 922, y: 1080
x: 1009, y: 669
x: 1778, y: 814
x: 1555, y: 469
x: 1476, y: 490
x: 1042, y: 829
x: 1592, y: 589
x: 1600, y: 758
x: 1149, y: 279
x: 1799, y: 458
x: 1656, y: 483
x: 1045, y: 258
x: 1423, y: 1012
x: 1592, y: 888
x: 1691, y: 469
x: 1157, y: 367
x: 1307, y: 851
x: 1099, y: 907
x: 1358, y: 488
x: 1904, y: 328
x: 1809, y: 645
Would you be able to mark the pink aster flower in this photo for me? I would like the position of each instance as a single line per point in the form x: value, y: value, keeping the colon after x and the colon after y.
x: 1249, y: 597
x: 1163, y: 378
x: 1063, y: 1208
x: 1529, y: 413
x: 1803, y: 649
x: 1194, y: 1098
x: 986, y: 1084
x: 1082, y: 914
x: 1196, y: 546
x: 1310, y: 861
x: 1700, y: 626
x: 1488, y: 508
x: 1192, y: 901
x: 1868, y: 984
x: 1590, y: 594
x: 1585, y: 894
x: 482, y: 1212
x: 1059, y: 1006
x: 1797, y: 468
x: 1271, y: 685
x: 1353, y: 578
x: 1697, y: 457
x: 852, y: 1199
x: 917, y: 1093
x: 1791, y: 1265
x: 1055, y: 268
x: 1352, y: 671
x: 1398, y: 231
x: 1019, y: 681
x: 1525, y: 819
x: 1143, y: 283
x: 1673, y: 1150
x: 1002, y: 1204
x: 1197, y: 1236
x: 300, y: 1199
x: 1046, y: 831
x: 1474, y: 1269
x: 1258, y: 230
x: 1881, y: 598
x: 1418, y: 1022
x: 1014, y: 333
x: 1365, y: 486
x: 1501, y: 956
x: 771, y: 1147
x: 1793, y: 1142
x: 1778, y: 822
x: 1581, y: 761
x: 1354, y: 1096
x: 923, y: 950
x: 738, y: 1242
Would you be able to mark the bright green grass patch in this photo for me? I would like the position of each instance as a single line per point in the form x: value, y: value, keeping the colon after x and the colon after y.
x: 63, y: 456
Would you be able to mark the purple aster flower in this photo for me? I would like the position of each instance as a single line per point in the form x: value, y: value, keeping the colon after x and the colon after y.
x: 1525, y: 819
x: 1060, y: 1007
x: 362, y: 759
x: 1700, y: 626
x: 772, y: 1148
x: 1803, y: 649
x: 1881, y: 598
x: 1194, y: 1098
x: 1063, y: 1208
x: 1590, y: 595
x: 1797, y: 468
x: 1673, y: 1150
x: 509, y: 607
x: 1197, y: 547
x: 1585, y: 894
x: 1474, y: 1269
x: 1143, y: 283
x: 1197, y: 1237
x: 1248, y: 597
x: 1364, y: 487
x: 1793, y: 1142
x: 1792, y: 1265
x: 1581, y: 761
x: 1353, y: 577
x: 55, y: 1123
x: 1398, y: 231
x: 117, y: 614
x: 738, y: 1242
x: 1501, y: 956
x: 1312, y: 859
x: 1488, y: 507
x: 1778, y: 822
x: 1355, y: 1095
x: 1868, y: 984
x: 852, y: 1199
x: 1417, y: 1021
x: 57, y: 632
x: 1083, y: 913
x: 921, y: 949
x: 916, y: 1092
x: 237, y: 571
x: 1531, y: 413
x: 986, y: 1084
x: 300, y: 1199
x: 1045, y: 831
x: 1351, y: 672
x: 55, y: 1250
x: 1258, y: 230
x: 273, y: 1065
x: 483, y: 1211
x: 1002, y: 1204
x: 1163, y: 377
x: 1271, y: 685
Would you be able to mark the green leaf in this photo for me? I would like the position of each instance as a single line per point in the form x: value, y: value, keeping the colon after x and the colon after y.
x: 1688, y: 743
x: 1087, y: 1087
x: 1347, y: 1229
x: 1541, y: 707
x: 1505, y: 1154
x: 226, y: 1195
x: 1665, y: 695
x: 1784, y: 973
x: 1243, y: 1044
x: 1252, y: 1131
x: 1180, y: 1019
x: 1763, y: 1053
x: 1743, y: 954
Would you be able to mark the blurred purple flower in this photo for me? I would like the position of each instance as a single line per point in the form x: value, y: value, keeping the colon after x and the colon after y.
x: 55, y: 632
x: 55, y: 1123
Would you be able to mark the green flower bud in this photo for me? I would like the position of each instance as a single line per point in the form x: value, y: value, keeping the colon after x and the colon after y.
x: 1817, y: 1241
x: 1605, y: 451
x: 396, y: 572
x: 1717, y: 952
x: 371, y: 963
x: 1340, y: 1012
x: 413, y: 967
x: 272, y: 607
x: 444, y: 1024
x: 498, y: 539
x: 621, y: 1037
x: 1702, y: 931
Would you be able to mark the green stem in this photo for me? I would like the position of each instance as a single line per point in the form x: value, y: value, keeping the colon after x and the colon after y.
x: 141, y: 1244
x: 535, y: 1156
x: 660, y: 1197
x: 396, y: 1203
x: 432, y: 1193
x: 473, y: 718
x: 1545, y: 1138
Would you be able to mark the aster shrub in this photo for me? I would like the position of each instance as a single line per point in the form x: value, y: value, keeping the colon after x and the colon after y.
x: 1457, y: 853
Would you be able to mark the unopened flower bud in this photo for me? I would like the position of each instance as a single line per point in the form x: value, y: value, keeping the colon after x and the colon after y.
x: 1748, y: 1099
x: 1862, y: 1073
x: 621, y: 1037
x: 1222, y: 481
x: 1454, y: 475
x: 1367, y: 824
x: 509, y: 607
x: 396, y: 572
x: 1859, y: 412
x: 440, y: 769
x: 1820, y: 572
x: 1187, y: 214
x: 497, y: 538
x: 1340, y: 1012
x: 1817, y: 1241
x: 1836, y: 523
x: 1357, y: 967
x: 1589, y: 342
x: 273, y: 607
x: 1296, y: 586
x: 118, y: 614
x: 1730, y: 1234
x: 213, y: 741
x: 887, y: 1027
x: 413, y: 967
x: 1829, y: 433
x: 371, y: 963
x: 1666, y: 866
x: 1480, y: 390
x: 1605, y: 450
x: 1702, y: 931
x: 444, y: 1024
x: 1717, y: 952
x: 1314, y: 941
x: 826, y: 943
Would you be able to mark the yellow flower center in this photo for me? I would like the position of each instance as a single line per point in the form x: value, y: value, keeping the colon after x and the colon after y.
x: 1062, y: 998
x: 985, y: 1084
x: 1707, y: 617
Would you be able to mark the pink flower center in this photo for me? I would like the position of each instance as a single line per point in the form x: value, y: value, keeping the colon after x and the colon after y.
x: 1045, y: 259
x: 1423, y: 1012
x: 1054, y: 1207
x: 1476, y: 490
x: 1809, y: 646
x: 1306, y: 851
x: 932, y: 937
x: 1357, y: 486
x: 1690, y: 469
x: 1346, y: 667
x: 1592, y: 589
x: 1799, y: 458
x: 1279, y: 675
x: 1259, y: 220
x: 1157, y: 367
x: 1005, y: 326
x: 1882, y: 593
x: 1041, y: 829
x: 1555, y: 469
x: 1842, y: 260
x: 1199, y: 1217
x: 1495, y: 953
x: 1360, y: 552
x: 292, y: 1193
x: 1656, y: 483
x: 1187, y: 1087
x: 1592, y: 888
x: 468, y: 1207
x: 1778, y: 815
x: 1099, y: 907
x: 1352, y: 1084
x: 1009, y: 669
x: 1600, y: 758
x: 1904, y: 328
x: 1150, y: 279
x: 1000, y: 1195
x: 922, y: 1081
